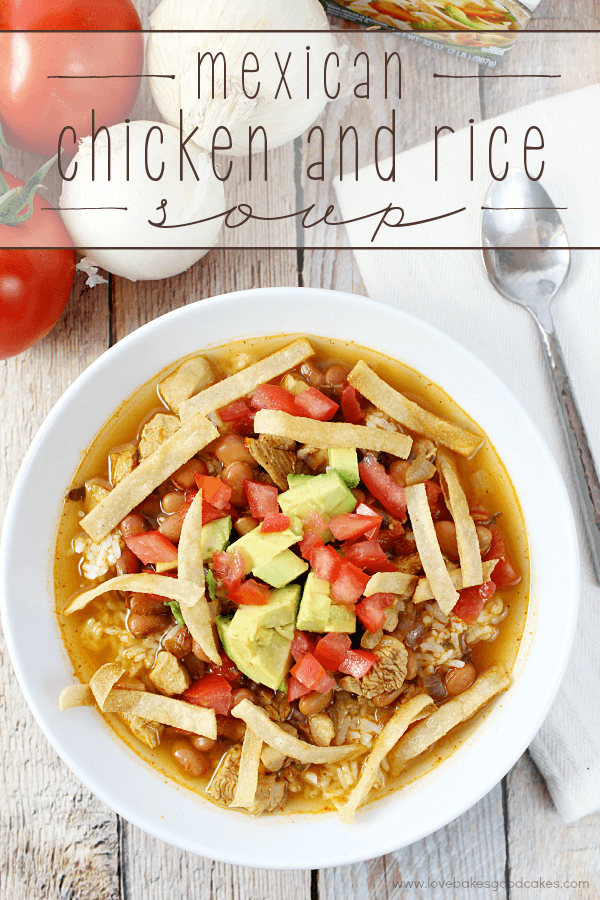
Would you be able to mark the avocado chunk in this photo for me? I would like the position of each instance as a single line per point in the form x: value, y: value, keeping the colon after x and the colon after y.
x: 327, y: 493
x: 297, y: 479
x: 259, y: 638
x: 258, y: 548
x: 313, y: 614
x: 341, y: 618
x: 345, y: 461
x: 215, y: 537
x: 282, y: 569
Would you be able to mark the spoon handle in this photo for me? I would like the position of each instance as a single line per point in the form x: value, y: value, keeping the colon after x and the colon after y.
x: 583, y: 465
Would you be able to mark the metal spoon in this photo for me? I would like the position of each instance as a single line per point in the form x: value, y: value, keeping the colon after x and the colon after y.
x: 518, y: 213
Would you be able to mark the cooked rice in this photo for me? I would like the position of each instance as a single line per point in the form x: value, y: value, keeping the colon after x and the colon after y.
x: 96, y: 559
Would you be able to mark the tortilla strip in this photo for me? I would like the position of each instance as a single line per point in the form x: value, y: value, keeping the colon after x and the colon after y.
x: 165, y: 710
x: 247, y: 782
x: 257, y: 719
x: 424, y: 592
x: 152, y: 471
x: 391, y: 583
x: 76, y: 695
x: 240, y: 384
x: 459, y: 709
x: 466, y: 533
x: 429, y: 549
x: 325, y: 435
x: 410, y: 414
x: 417, y: 708
x: 104, y: 680
x: 196, y: 615
x: 145, y: 583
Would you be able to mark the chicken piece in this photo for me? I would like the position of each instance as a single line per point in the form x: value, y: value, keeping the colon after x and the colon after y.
x: 155, y: 432
x: 148, y: 732
x: 278, y: 463
x: 277, y: 709
x: 94, y: 494
x: 169, y: 675
x: 272, y: 759
x: 322, y: 730
x: 190, y: 378
x: 271, y: 440
x: 269, y: 793
x: 122, y: 462
x: 388, y: 673
x: 313, y: 457
x: 410, y: 565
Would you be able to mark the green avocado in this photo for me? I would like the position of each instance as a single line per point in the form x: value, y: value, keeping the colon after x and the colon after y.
x: 313, y: 614
x: 297, y: 479
x: 327, y: 493
x: 215, y: 537
x: 259, y: 638
x: 282, y: 569
x: 345, y: 461
x: 258, y: 548
x: 341, y: 618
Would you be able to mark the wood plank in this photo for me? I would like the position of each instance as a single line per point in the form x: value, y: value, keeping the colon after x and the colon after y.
x: 542, y: 846
x: 471, y: 847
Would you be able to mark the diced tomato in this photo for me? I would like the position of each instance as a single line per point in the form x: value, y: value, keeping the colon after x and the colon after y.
x: 152, y: 547
x: 383, y: 487
x: 262, y: 498
x: 211, y: 691
x: 366, y: 554
x: 472, y: 600
x: 302, y: 644
x: 251, y: 593
x: 371, y: 613
x: 271, y: 396
x: 237, y: 412
x: 331, y: 650
x: 311, y: 673
x: 435, y: 498
x: 363, y: 510
x: 214, y: 491
x: 230, y: 568
x: 350, y: 526
x: 296, y: 689
x: 273, y: 524
x: 227, y: 669
x: 308, y: 544
x: 209, y: 512
x: 350, y: 585
x: 351, y: 408
x: 357, y: 663
x: 316, y: 405
x: 326, y: 563
x: 505, y: 575
x: 314, y: 523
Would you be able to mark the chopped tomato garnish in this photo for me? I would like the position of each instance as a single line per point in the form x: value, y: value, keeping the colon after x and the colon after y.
x: 227, y: 669
x: 383, y: 487
x: 251, y: 593
x: 302, y: 644
x: 316, y: 405
x: 311, y: 674
x: 314, y: 523
x: 152, y: 547
x: 211, y: 691
x: 350, y: 527
x: 237, y: 412
x: 230, y: 568
x: 363, y: 510
x: 350, y: 585
x: 357, y: 663
x: 296, y: 689
x: 308, y: 544
x: 326, y: 563
x: 505, y: 575
x: 472, y: 600
x: 209, y: 512
x: 436, y: 501
x: 262, y: 498
x: 272, y: 524
x: 214, y: 491
x: 271, y: 396
x: 370, y: 610
x: 368, y: 555
x: 351, y: 408
x: 331, y: 650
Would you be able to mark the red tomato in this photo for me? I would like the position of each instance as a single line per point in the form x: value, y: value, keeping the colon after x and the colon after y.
x: 383, y: 487
x: 357, y: 663
x: 273, y: 524
x: 363, y: 510
x: 211, y: 691
x: 34, y: 284
x: 505, y: 575
x: 436, y: 501
x: 369, y: 555
x: 370, y: 610
x: 331, y: 650
x: 350, y: 527
x: 251, y: 593
x: 296, y: 689
x: 350, y: 585
x: 326, y: 563
x: 391, y: 539
x: 314, y: 523
x: 35, y: 108
x: 351, y: 408
x: 302, y: 644
x: 214, y: 491
x: 237, y: 412
x: 262, y: 498
x: 227, y: 669
x: 230, y: 568
x: 152, y: 547
x: 312, y: 675
x: 271, y: 396
x: 308, y: 543
x: 316, y: 405
x: 472, y: 600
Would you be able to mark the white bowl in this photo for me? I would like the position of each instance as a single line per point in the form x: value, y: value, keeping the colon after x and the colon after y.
x: 116, y: 774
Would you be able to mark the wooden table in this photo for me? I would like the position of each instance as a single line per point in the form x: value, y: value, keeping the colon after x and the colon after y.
x: 58, y: 840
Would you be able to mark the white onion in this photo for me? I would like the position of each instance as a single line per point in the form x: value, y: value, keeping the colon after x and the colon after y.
x: 187, y: 201
x: 177, y: 54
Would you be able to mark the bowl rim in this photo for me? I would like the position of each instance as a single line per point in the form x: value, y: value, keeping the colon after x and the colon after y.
x: 349, y: 850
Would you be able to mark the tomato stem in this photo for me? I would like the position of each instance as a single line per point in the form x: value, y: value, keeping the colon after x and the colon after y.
x: 16, y: 206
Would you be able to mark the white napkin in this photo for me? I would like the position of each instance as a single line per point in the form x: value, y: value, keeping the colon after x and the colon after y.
x: 449, y: 289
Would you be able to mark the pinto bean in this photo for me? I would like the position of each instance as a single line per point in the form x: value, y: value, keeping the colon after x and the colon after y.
x: 128, y: 563
x: 231, y: 448
x: 133, y: 524
x: 171, y: 528
x: 411, y: 664
x: 446, y: 535
x: 193, y: 762
x: 184, y: 479
x: 484, y: 536
x: 458, y: 680
x: 245, y: 524
x: 234, y: 475
x: 385, y: 699
x: 243, y: 694
x: 150, y: 506
x: 145, y: 605
x: 336, y: 374
x: 172, y: 501
x: 195, y: 666
x: 230, y: 728
x: 314, y: 375
x: 199, y: 652
x: 203, y: 744
x: 313, y: 703
x: 398, y: 470
x: 180, y: 644
x: 142, y: 625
